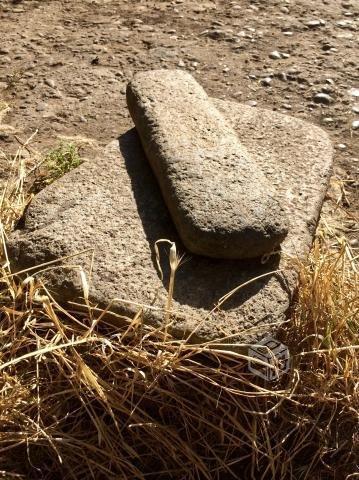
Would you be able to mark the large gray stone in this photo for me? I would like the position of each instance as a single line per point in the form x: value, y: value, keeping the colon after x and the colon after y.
x: 220, y: 201
x: 113, y: 206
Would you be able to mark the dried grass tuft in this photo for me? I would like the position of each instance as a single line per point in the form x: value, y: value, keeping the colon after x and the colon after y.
x: 4, y: 109
x: 82, y: 399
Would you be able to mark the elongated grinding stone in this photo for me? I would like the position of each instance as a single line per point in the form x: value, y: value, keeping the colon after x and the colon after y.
x: 111, y: 208
x: 222, y: 204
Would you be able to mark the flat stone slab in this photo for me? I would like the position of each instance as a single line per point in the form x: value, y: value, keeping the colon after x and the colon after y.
x: 113, y: 206
x: 220, y: 200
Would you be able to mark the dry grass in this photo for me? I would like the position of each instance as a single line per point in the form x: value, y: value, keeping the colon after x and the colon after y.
x: 4, y: 109
x: 82, y: 399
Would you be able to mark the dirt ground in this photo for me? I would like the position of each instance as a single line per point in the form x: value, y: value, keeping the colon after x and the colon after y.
x: 64, y: 64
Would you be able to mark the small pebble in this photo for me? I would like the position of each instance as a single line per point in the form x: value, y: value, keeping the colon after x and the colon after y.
x: 217, y: 23
x: 355, y: 108
x: 50, y: 82
x: 355, y: 124
x: 55, y: 63
x: 323, y: 98
x: 216, y: 34
x: 341, y: 146
x: 354, y: 92
x: 41, y: 107
x: 354, y: 242
x: 345, y: 24
x: 315, y: 23
x: 275, y: 55
x: 251, y: 103
x: 266, y: 81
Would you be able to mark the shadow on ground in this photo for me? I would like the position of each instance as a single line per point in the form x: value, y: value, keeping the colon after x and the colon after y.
x: 200, y: 281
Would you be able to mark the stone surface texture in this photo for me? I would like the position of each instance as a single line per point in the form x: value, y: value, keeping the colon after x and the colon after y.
x: 219, y: 199
x: 112, y: 206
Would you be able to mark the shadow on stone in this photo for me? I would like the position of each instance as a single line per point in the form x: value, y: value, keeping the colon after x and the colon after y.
x: 111, y: 207
x: 200, y: 281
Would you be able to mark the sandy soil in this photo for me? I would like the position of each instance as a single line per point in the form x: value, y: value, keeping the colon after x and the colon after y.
x: 64, y: 64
